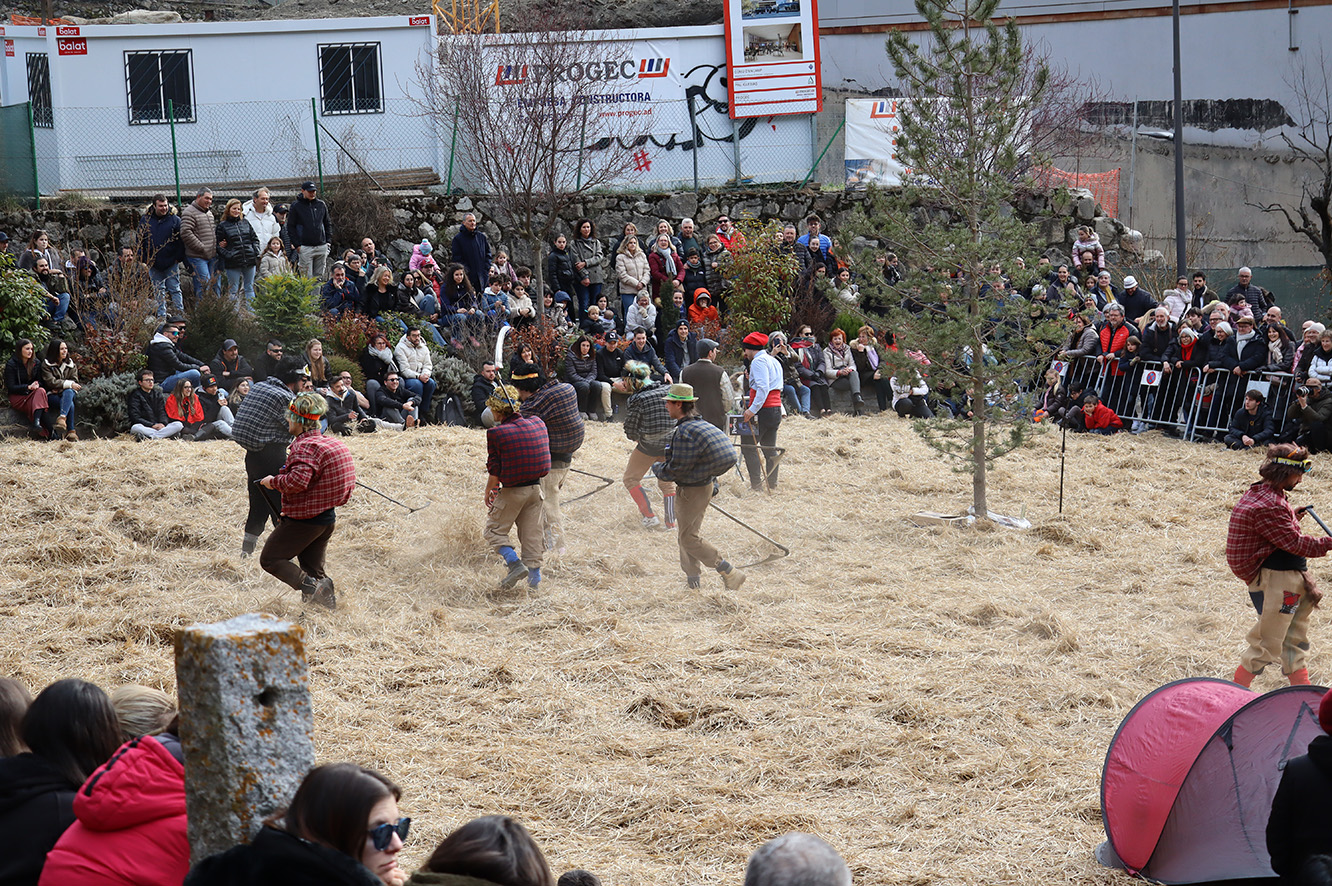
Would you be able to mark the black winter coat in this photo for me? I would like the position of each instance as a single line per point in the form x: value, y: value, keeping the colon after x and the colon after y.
x: 165, y: 359
x: 1300, y: 825
x: 1155, y: 341
x: 308, y: 223
x: 36, y: 806
x: 18, y: 376
x: 276, y: 858
x: 146, y: 408
x: 1259, y: 426
x: 1221, y: 354
x: 242, y: 249
x: 559, y: 272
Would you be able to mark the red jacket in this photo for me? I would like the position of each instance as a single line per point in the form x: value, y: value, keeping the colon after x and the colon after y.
x: 1113, y: 343
x: 1101, y: 417
x: 130, y: 828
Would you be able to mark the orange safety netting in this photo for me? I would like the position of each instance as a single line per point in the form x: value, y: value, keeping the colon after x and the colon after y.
x: 1103, y: 185
x: 37, y: 20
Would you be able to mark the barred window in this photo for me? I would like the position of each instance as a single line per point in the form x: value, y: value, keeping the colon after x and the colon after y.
x: 154, y: 78
x: 349, y: 78
x: 39, y: 90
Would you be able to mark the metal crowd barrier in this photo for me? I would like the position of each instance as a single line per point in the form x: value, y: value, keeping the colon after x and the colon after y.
x: 1191, y: 403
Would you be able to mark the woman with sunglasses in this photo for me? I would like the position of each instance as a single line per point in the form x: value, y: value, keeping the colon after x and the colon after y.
x: 341, y: 829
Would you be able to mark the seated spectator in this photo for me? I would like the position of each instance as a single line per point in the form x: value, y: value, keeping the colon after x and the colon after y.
x: 237, y: 394
x: 60, y: 378
x: 594, y: 324
x: 1094, y: 416
x: 495, y: 850
x: 1251, y: 425
x: 869, y: 357
x: 231, y: 367
x: 1297, y: 827
x: 554, y: 312
x: 809, y: 368
x: 610, y: 359
x: 184, y: 408
x: 641, y: 350
x: 1313, y: 407
x: 39, y: 247
x: 839, y: 367
x: 147, y: 410
x: 1052, y: 400
x: 217, y: 414
x: 578, y: 877
x: 580, y: 370
x: 14, y: 703
x: 796, y: 859
x: 340, y: 295
x: 273, y: 260
x: 376, y: 363
x: 320, y: 371
x: 483, y: 386
x: 412, y: 357
x: 702, y: 313
x: 642, y: 313
x: 381, y: 295
x: 70, y: 730
x: 910, y: 395
x: 267, y: 362
x: 167, y: 361
x: 420, y: 253
x: 23, y: 381
x: 130, y: 815
x: 695, y: 275
x: 343, y: 828
x: 682, y: 349
x: 56, y: 287
x: 344, y: 409
x: 794, y: 391
x: 394, y: 404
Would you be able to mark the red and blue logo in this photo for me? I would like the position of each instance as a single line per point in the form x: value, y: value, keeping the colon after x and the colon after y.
x: 653, y: 67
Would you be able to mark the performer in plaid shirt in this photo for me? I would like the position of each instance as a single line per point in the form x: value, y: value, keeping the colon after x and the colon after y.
x: 317, y: 477
x: 698, y: 453
x: 261, y: 428
x: 1266, y: 550
x: 517, y: 457
x: 555, y: 403
x: 649, y: 425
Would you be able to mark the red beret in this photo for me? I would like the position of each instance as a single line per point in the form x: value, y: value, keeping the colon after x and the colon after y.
x: 756, y: 340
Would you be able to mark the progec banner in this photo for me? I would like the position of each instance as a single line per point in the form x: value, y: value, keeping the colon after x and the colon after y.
x: 772, y: 57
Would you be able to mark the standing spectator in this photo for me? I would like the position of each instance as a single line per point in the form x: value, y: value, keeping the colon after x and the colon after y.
x: 273, y: 261
x: 715, y: 264
x: 665, y: 227
x: 1255, y: 296
x: 412, y: 356
x: 128, y: 279
x: 695, y: 275
x: 729, y: 235
x: 665, y: 268
x: 818, y: 243
x: 23, y: 382
x: 60, y: 378
x: 697, y: 455
x: 517, y: 458
x: 238, y: 251
x: 281, y: 213
x: 560, y: 266
x: 471, y: 249
x: 147, y: 410
x: 1137, y: 301
x: 1157, y: 336
x: 199, y: 234
x: 317, y: 477
x: 1176, y: 300
x: 259, y: 213
x: 1088, y: 241
x: 631, y: 266
x: 1266, y: 550
x: 712, y: 386
x: 589, y: 264
x: 689, y: 238
x: 168, y: 361
x: 311, y: 231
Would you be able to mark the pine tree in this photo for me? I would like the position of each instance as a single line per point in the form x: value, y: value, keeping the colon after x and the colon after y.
x: 971, y: 93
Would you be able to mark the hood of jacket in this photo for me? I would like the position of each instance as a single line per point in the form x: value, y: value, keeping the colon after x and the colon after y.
x: 26, y: 776
x: 141, y: 782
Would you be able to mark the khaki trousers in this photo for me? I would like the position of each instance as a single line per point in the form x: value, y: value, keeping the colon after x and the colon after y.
x: 639, y: 464
x: 691, y: 505
x: 551, y: 484
x: 521, y: 506
x: 1281, y: 635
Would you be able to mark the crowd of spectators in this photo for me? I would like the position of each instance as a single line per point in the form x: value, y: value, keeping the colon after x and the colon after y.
x: 96, y: 785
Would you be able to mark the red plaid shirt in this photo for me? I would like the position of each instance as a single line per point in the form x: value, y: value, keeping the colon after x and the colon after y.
x: 518, y: 450
x: 318, y: 475
x: 1263, y: 522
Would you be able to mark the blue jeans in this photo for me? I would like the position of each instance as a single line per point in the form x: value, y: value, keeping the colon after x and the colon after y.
x: 586, y: 295
x: 167, y: 283
x: 201, y: 271
x: 422, y: 391
x: 190, y: 375
x: 62, y: 309
x: 238, y: 278
x: 800, y: 395
x: 67, y: 406
x: 626, y: 299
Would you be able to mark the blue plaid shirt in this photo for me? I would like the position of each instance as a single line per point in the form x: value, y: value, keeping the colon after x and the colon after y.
x: 262, y: 416
x: 698, y: 452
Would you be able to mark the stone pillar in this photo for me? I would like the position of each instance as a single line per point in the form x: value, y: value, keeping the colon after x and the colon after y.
x: 246, y: 725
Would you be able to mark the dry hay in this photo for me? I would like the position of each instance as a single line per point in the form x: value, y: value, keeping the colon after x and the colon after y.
x: 936, y: 702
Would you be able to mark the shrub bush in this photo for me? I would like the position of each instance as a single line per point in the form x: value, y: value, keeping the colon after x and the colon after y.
x: 347, y: 335
x: 340, y: 364
x: 286, y: 306
x: 22, y: 307
x: 101, y: 404
x: 763, y: 281
x: 453, y: 376
x: 213, y: 319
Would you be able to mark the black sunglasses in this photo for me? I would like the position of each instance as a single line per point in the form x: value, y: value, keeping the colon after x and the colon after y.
x: 382, y: 836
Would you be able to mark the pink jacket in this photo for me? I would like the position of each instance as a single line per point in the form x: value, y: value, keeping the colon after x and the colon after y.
x: 130, y: 828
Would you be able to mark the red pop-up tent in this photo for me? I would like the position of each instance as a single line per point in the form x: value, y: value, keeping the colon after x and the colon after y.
x: 1190, y: 775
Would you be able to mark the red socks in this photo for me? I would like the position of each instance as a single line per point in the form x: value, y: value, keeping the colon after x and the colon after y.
x: 1243, y: 677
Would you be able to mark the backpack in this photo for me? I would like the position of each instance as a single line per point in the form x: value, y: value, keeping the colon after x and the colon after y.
x: 449, y: 411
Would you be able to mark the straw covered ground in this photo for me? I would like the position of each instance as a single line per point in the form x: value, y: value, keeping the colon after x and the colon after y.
x: 935, y: 702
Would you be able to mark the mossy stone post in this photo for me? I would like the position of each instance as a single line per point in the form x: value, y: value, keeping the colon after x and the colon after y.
x: 246, y: 725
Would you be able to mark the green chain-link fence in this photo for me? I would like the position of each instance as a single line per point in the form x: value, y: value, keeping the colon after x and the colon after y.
x: 18, y: 165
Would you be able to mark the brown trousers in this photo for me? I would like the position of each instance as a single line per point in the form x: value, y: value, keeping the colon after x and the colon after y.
x: 1281, y: 635
x: 551, y: 484
x: 295, y: 539
x: 691, y: 504
x: 520, y: 506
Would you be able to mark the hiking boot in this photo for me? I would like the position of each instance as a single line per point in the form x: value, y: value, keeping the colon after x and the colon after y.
x: 693, y: 582
x: 731, y: 577
x: 517, y: 572
x: 72, y: 436
x: 248, y: 543
x: 324, y: 595
x: 651, y: 523
x: 61, y: 425
x: 309, y: 587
